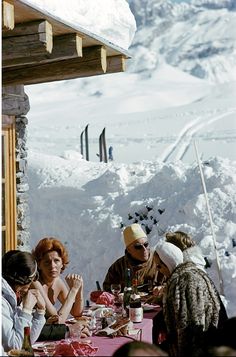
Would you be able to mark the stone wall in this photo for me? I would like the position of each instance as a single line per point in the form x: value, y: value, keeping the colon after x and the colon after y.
x: 15, y: 102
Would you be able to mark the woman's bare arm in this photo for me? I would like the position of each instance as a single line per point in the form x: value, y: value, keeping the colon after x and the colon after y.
x: 50, y: 308
x: 72, y: 301
x: 78, y: 305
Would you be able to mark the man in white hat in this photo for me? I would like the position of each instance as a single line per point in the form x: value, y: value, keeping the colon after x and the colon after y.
x: 138, y: 257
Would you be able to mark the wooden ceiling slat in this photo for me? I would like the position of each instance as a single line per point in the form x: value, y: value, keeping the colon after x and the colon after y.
x: 92, y: 63
x: 34, y: 42
x: 116, y: 64
x: 64, y: 47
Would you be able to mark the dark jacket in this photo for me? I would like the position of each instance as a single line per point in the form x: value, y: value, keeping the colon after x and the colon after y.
x: 191, y: 307
x: 145, y: 271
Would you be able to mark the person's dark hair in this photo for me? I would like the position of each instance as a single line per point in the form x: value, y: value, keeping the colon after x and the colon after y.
x: 129, y: 349
x: 19, y: 268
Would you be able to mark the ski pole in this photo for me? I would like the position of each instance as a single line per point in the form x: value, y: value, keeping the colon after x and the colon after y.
x: 210, y: 218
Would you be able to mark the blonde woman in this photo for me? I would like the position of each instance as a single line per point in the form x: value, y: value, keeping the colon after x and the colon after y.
x: 187, y: 245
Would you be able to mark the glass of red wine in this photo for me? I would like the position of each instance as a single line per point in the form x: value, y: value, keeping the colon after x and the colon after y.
x: 116, y: 289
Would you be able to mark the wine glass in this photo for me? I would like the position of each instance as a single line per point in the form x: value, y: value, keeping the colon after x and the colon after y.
x: 115, y: 289
x: 49, y: 348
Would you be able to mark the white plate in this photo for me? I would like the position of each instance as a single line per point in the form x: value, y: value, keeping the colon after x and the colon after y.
x: 147, y: 308
x: 142, y: 293
x: 40, y: 346
x: 96, y: 306
x: 103, y: 311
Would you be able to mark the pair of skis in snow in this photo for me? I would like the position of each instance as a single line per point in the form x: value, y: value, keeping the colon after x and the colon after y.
x: 102, y: 145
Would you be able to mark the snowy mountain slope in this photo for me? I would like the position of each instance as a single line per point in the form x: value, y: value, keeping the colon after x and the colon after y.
x: 156, y: 117
x: 199, y: 37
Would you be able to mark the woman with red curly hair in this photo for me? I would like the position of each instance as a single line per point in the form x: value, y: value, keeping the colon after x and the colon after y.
x: 52, y: 259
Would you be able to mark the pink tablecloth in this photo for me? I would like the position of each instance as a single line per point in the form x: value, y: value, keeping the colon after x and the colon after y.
x: 107, y: 345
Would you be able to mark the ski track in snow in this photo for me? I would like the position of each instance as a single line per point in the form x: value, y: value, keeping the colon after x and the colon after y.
x: 183, y: 141
x: 185, y: 146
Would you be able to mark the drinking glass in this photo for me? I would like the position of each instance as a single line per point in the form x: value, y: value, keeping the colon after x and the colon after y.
x: 49, y: 349
x: 115, y: 289
x: 74, y: 331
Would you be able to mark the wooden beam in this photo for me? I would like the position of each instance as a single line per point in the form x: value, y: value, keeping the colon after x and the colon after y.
x: 64, y: 47
x: 115, y: 64
x: 8, y: 20
x: 27, y: 40
x: 92, y: 63
x: 67, y: 46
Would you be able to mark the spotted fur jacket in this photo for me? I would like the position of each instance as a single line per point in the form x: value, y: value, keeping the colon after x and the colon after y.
x: 191, y: 307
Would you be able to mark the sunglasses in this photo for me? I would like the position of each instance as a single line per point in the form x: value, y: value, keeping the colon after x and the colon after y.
x: 140, y: 246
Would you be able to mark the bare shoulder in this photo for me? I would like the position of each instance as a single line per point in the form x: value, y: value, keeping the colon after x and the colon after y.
x: 60, y: 284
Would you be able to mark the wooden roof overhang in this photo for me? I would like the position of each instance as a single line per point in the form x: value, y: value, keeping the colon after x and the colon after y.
x: 38, y: 47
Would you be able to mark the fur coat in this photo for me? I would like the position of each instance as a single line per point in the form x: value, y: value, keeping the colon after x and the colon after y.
x: 191, y: 307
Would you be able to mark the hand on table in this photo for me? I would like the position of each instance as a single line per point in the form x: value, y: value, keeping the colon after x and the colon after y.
x: 54, y: 319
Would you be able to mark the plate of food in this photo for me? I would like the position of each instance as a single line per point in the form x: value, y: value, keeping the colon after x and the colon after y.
x: 38, y: 347
x: 149, y: 307
x: 96, y: 306
x: 143, y: 293
x: 44, y: 346
x: 17, y: 353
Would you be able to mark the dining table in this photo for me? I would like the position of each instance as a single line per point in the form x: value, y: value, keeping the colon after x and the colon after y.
x: 107, y: 345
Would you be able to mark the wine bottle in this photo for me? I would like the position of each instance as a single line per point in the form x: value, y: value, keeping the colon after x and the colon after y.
x: 127, y: 292
x: 26, y: 346
x: 98, y: 286
x: 135, y: 306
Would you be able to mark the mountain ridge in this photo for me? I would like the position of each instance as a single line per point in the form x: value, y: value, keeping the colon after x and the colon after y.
x: 198, y: 38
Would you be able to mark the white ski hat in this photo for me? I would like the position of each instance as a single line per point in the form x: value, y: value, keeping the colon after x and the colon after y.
x: 132, y: 233
x: 170, y: 255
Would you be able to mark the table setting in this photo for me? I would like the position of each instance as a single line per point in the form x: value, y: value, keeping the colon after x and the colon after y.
x: 102, y: 328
